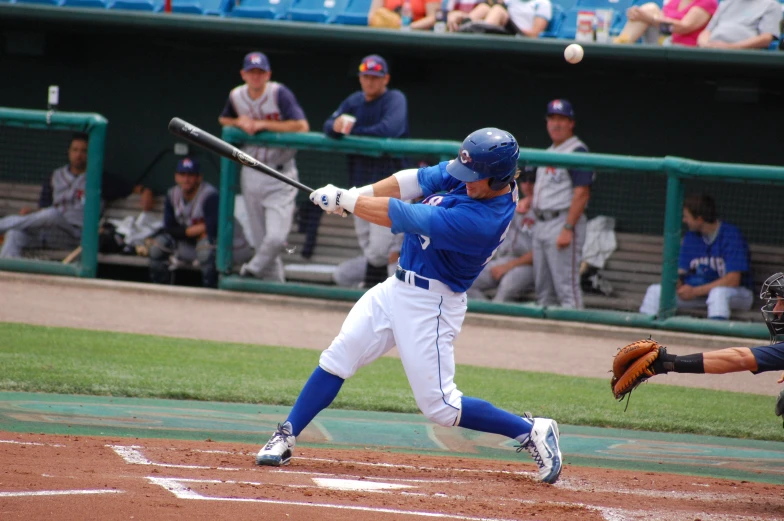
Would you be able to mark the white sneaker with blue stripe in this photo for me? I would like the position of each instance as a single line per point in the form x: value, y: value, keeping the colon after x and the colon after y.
x: 278, y: 451
x: 542, y: 445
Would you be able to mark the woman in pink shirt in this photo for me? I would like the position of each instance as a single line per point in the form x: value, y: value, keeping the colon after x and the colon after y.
x: 684, y: 19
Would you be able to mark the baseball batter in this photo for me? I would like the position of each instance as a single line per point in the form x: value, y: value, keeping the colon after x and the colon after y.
x: 58, y: 221
x: 464, y: 217
x: 263, y: 105
x: 558, y: 197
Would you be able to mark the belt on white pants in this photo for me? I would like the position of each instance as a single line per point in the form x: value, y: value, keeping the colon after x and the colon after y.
x: 411, y: 278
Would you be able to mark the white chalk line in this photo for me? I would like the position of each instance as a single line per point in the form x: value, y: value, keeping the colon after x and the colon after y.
x: 58, y: 493
x: 32, y: 443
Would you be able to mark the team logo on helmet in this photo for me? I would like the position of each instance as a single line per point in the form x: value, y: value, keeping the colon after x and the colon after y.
x: 465, y: 157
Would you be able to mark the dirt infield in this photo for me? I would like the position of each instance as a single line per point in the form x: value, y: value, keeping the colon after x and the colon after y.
x: 65, y: 478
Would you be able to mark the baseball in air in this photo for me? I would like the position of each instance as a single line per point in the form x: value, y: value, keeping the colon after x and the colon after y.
x: 574, y: 53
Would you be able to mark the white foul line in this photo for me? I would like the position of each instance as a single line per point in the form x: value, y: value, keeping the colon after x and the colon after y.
x: 132, y: 455
x: 59, y: 493
x: 32, y: 443
x: 183, y: 492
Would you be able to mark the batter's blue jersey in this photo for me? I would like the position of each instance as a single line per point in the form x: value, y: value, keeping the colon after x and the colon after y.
x: 727, y: 253
x: 449, y: 236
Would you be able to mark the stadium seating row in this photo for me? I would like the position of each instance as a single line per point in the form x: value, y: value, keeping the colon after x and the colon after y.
x: 345, y: 12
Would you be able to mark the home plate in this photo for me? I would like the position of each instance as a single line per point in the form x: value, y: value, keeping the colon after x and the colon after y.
x: 356, y: 484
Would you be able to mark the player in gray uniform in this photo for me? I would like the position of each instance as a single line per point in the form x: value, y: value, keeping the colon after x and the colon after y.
x: 511, y: 271
x: 58, y: 222
x: 190, y: 228
x: 558, y: 197
x: 256, y: 106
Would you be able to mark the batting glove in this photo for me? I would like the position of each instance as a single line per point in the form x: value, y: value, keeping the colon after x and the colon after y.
x: 327, y: 198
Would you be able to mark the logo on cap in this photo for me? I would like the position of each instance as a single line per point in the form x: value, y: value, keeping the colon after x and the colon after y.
x: 187, y: 163
x: 557, y: 105
x: 465, y: 157
x: 255, y: 59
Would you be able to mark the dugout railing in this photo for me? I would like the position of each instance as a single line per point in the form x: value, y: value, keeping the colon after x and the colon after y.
x: 672, y: 172
x: 30, y: 136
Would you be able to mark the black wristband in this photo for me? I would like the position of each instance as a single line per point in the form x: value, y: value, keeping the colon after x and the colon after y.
x: 690, y: 363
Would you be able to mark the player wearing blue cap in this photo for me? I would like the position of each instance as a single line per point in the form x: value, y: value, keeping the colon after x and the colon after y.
x: 464, y: 217
x: 261, y: 105
x: 558, y: 197
x: 190, y: 228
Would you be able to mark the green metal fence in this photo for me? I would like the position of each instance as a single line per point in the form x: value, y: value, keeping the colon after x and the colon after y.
x: 672, y: 171
x: 23, y: 135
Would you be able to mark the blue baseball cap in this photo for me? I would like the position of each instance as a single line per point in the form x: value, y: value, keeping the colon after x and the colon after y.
x: 255, y: 60
x: 373, y: 65
x: 188, y: 166
x: 561, y: 107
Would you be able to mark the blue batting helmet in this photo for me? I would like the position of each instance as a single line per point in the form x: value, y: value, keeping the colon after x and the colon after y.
x: 488, y: 153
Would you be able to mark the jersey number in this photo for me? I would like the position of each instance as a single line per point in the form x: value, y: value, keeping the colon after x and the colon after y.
x: 503, y: 236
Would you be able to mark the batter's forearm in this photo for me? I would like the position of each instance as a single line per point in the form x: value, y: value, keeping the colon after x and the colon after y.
x: 388, y: 187
x: 373, y: 210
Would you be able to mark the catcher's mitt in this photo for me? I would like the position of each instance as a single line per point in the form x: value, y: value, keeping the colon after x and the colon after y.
x: 633, y: 365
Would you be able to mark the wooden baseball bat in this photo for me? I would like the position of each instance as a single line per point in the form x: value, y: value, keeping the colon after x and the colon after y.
x: 71, y: 256
x: 206, y: 140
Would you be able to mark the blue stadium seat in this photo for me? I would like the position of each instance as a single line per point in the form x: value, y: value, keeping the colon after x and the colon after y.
x: 620, y: 6
x: 136, y: 5
x: 569, y: 24
x: 204, y: 7
x: 269, y: 9
x: 355, y: 13
x: 555, y: 23
x: 565, y: 5
x: 320, y: 11
x: 40, y: 2
x: 95, y: 4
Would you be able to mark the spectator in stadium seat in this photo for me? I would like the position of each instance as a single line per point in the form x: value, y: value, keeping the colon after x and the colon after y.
x: 684, y: 19
x: 386, y: 13
x: 511, y: 271
x: 460, y: 11
x: 57, y: 224
x: 190, y: 228
x: 714, y: 266
x: 742, y: 24
x: 524, y: 17
x: 378, y: 112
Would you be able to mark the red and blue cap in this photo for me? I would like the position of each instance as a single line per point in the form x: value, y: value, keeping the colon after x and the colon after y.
x: 188, y: 166
x: 373, y: 65
x: 255, y: 60
x: 560, y: 107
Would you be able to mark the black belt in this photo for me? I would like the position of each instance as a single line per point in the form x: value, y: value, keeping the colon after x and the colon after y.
x: 420, y: 282
x: 548, y: 215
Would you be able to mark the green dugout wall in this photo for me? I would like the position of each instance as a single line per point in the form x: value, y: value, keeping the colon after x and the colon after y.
x: 140, y: 69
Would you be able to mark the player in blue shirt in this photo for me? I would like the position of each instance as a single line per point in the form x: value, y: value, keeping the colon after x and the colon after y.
x: 714, y: 264
x: 377, y: 111
x: 466, y: 212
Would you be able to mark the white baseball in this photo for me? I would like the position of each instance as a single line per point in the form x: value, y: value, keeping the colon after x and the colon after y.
x: 574, y: 53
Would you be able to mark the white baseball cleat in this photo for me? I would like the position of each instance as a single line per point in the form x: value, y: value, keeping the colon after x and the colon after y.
x: 277, y: 451
x: 542, y: 445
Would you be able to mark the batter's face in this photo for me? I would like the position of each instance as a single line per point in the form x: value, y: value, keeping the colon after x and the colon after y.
x: 77, y: 156
x: 480, y: 189
x: 694, y: 224
x: 373, y: 86
x: 188, y: 182
x: 256, y: 79
x: 560, y: 128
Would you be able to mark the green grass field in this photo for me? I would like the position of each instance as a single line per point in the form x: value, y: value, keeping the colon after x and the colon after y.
x: 71, y: 361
